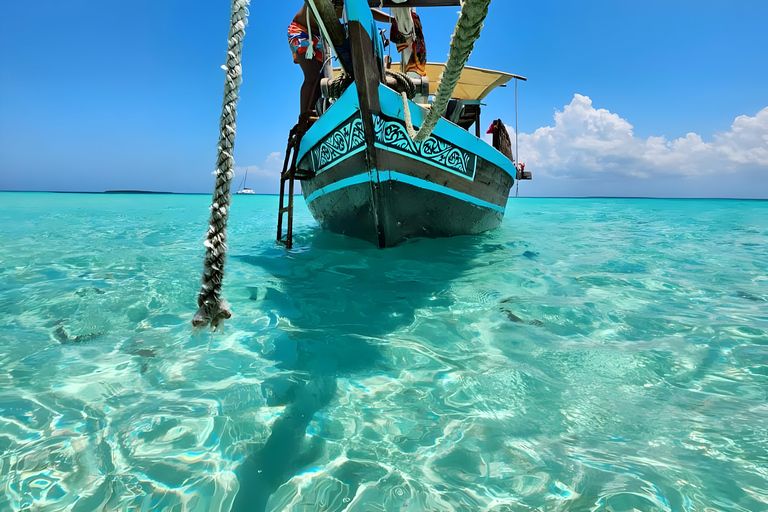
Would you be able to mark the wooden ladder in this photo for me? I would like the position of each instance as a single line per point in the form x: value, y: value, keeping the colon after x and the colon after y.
x: 290, y: 174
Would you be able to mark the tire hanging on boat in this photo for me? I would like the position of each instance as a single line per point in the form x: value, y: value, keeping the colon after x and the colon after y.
x: 213, y: 309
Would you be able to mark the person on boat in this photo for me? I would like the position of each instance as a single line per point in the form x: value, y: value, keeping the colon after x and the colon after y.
x: 307, y: 50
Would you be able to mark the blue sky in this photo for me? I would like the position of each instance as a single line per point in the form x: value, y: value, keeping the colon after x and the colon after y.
x: 654, y: 98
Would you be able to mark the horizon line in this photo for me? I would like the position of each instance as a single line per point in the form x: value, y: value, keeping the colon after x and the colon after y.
x: 154, y: 192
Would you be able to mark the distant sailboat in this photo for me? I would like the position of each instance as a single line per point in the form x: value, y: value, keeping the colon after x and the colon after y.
x: 244, y: 189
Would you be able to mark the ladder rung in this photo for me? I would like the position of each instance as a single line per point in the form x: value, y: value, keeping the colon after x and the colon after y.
x: 291, y: 173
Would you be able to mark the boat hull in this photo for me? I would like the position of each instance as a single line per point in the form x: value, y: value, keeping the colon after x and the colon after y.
x: 390, y: 212
x: 371, y: 180
x: 389, y: 189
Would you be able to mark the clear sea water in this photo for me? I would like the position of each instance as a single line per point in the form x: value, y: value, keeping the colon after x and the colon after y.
x: 589, y: 355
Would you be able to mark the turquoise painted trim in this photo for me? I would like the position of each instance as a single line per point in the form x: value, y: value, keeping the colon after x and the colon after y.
x: 434, y: 187
x: 379, y: 44
x: 361, y: 11
x: 347, y: 182
x: 335, y: 116
x: 392, y: 106
x: 382, y: 176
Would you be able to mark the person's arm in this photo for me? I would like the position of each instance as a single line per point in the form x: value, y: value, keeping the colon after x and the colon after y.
x: 381, y: 16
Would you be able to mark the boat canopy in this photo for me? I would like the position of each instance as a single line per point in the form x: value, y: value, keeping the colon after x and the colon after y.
x: 474, y: 85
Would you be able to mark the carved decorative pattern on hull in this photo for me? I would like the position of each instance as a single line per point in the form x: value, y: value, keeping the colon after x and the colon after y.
x: 348, y: 139
x: 391, y: 134
x: 345, y: 141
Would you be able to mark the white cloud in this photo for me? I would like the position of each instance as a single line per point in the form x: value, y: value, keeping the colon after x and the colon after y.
x: 264, y: 178
x: 586, y: 143
x: 271, y: 168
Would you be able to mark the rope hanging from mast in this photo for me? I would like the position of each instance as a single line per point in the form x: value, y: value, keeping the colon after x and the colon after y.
x: 213, y: 309
x: 468, y: 28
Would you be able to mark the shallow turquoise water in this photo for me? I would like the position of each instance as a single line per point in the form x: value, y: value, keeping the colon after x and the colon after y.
x: 603, y: 355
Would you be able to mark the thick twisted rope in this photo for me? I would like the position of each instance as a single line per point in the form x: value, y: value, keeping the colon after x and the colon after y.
x: 213, y: 309
x: 468, y: 28
x: 403, y: 84
x: 339, y: 84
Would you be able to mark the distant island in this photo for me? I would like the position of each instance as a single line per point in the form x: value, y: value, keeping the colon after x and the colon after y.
x: 135, y: 192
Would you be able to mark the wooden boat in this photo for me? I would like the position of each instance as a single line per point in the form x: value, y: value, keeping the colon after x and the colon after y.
x: 362, y: 174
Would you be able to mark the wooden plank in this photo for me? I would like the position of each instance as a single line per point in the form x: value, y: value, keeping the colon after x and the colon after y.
x: 416, y: 3
x: 367, y: 79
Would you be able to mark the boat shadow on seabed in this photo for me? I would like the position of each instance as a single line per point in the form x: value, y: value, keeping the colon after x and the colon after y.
x: 339, y: 296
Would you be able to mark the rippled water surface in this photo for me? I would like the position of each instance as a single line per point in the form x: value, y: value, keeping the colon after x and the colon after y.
x: 601, y: 355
